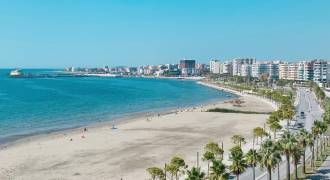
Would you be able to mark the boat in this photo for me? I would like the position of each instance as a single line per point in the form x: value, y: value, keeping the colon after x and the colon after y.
x: 15, y: 73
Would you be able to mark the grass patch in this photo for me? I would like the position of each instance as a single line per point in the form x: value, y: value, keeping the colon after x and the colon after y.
x: 223, y: 110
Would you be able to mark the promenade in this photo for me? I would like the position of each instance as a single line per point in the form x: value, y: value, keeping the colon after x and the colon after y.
x: 307, y: 103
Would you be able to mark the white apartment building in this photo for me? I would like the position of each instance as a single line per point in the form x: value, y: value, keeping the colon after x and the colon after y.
x: 260, y: 68
x: 320, y: 68
x: 305, y: 71
x: 237, y: 65
x: 227, y: 68
x: 215, y: 67
x: 245, y: 70
x: 292, y: 71
x: 283, y: 70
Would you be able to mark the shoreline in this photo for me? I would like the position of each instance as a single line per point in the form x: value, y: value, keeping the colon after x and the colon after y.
x: 124, y: 118
x: 101, y: 151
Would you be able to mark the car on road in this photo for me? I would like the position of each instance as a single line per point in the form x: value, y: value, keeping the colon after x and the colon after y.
x: 302, y: 114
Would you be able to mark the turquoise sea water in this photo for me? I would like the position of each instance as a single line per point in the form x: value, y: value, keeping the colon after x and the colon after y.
x: 29, y: 106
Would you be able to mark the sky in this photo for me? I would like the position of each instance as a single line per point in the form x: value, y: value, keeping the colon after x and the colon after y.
x: 94, y: 33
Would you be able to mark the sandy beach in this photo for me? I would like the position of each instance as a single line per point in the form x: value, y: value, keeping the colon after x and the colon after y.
x: 104, y: 153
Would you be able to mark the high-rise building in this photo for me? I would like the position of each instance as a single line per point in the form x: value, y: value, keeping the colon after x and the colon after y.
x: 246, y: 70
x: 305, y: 71
x: 273, y: 71
x: 260, y: 68
x: 215, y: 67
x: 292, y: 71
x: 320, y: 68
x: 308, y: 71
x: 237, y: 63
x: 227, y: 68
x: 188, y: 67
x: 283, y: 70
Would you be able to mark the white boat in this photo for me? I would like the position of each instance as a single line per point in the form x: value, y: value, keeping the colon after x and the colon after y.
x: 15, y: 72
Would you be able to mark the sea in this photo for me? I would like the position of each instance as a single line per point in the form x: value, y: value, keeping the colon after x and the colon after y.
x: 31, y: 106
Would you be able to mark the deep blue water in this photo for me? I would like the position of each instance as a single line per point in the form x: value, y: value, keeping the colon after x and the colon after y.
x: 29, y: 106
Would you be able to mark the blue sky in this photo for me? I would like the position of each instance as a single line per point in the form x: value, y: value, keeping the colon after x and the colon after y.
x: 60, y: 33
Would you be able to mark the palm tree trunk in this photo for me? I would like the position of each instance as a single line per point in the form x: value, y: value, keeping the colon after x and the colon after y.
x: 324, y: 139
x: 257, y: 140
x: 254, y: 171
x: 317, y: 149
x: 165, y: 171
x: 321, y: 146
x: 296, y: 170
x: 278, y: 171
x: 288, y: 167
x: 313, y: 158
x: 304, y: 161
x: 208, y: 168
x: 269, y: 170
x: 238, y: 175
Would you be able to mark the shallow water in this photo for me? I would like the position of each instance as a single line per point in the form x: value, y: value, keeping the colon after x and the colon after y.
x: 29, y: 106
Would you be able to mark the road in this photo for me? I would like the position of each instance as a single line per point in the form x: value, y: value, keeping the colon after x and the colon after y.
x: 308, y: 104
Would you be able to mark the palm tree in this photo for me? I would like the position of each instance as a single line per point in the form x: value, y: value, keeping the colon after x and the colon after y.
x: 251, y: 158
x: 238, y: 140
x: 296, y: 156
x: 269, y: 156
x: 310, y: 142
x: 177, y: 165
x: 288, y: 113
x: 218, y: 171
x: 208, y: 156
x: 195, y: 174
x: 274, y: 126
x: 259, y: 132
x: 215, y: 149
x: 323, y: 129
x: 316, y: 133
x: 156, y: 172
x: 302, y: 138
x: 238, y: 162
x: 288, y: 143
x: 274, y: 117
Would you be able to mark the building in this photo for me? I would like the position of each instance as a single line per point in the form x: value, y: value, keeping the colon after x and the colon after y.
x: 246, y: 70
x: 320, y: 68
x: 305, y: 71
x: 301, y: 71
x: 215, y: 67
x: 237, y: 65
x: 259, y: 69
x: 273, y: 71
x: 227, y: 68
x: 188, y: 67
x: 328, y: 73
x: 283, y: 70
x: 292, y: 71
x: 308, y: 71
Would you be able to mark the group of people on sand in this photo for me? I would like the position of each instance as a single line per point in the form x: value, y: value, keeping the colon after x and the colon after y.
x: 86, y: 130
